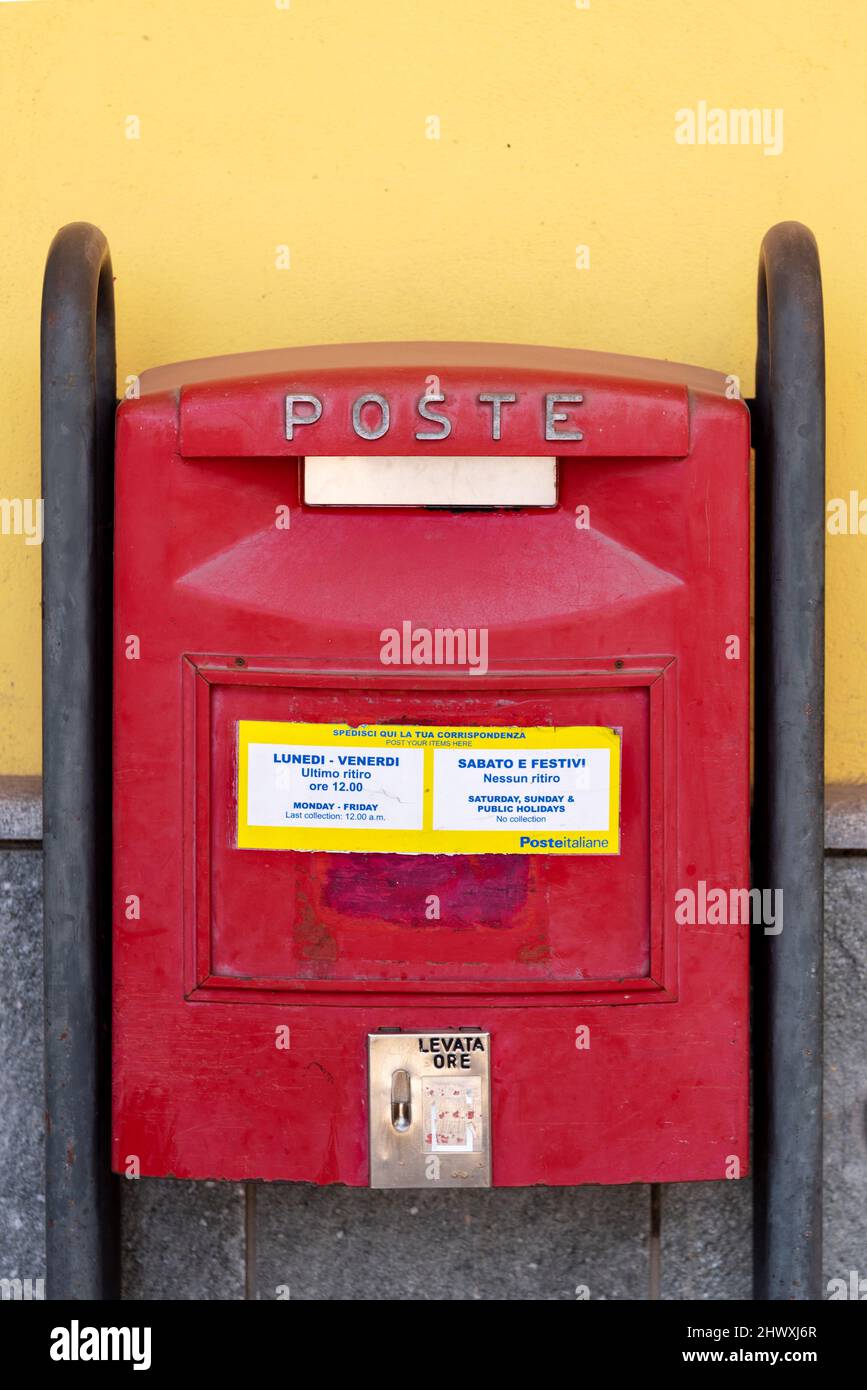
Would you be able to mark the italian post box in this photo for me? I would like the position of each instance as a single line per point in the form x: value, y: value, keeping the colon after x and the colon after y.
x: 431, y: 746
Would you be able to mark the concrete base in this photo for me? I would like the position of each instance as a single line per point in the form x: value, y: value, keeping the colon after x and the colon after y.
x: 277, y: 1241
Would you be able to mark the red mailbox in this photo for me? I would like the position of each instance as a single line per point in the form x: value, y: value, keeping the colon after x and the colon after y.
x: 431, y: 743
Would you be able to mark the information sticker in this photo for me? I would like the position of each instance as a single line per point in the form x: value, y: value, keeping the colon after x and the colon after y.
x: 428, y: 790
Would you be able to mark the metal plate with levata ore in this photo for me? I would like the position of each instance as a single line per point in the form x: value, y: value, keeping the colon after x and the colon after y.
x: 430, y: 1122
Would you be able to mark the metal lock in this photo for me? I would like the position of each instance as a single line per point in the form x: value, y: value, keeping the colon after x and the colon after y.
x: 430, y: 1110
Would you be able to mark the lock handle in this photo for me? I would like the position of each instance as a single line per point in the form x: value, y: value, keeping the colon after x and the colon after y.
x: 401, y: 1100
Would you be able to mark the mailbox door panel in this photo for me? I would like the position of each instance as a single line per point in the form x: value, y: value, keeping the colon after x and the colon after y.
x: 246, y: 980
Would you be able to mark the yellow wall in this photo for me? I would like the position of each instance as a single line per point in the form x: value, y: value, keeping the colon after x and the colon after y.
x: 263, y: 125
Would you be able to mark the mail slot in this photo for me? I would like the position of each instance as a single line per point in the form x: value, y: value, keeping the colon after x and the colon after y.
x: 431, y: 739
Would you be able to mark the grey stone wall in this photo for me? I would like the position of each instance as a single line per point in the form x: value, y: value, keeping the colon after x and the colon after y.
x: 259, y: 1240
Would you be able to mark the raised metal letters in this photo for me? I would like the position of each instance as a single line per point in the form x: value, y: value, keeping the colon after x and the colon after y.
x: 551, y: 419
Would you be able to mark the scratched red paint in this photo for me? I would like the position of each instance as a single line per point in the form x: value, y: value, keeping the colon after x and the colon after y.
x: 622, y: 623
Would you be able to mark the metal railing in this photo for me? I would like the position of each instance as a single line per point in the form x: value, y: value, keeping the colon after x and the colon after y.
x: 78, y: 406
x: 788, y: 802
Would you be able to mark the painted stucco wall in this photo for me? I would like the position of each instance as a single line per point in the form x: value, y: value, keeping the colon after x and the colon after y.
x: 270, y: 174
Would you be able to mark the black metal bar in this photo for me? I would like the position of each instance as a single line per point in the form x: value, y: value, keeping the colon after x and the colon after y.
x: 788, y: 809
x: 78, y: 405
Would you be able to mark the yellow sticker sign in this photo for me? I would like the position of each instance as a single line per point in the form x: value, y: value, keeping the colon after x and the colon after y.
x: 407, y: 790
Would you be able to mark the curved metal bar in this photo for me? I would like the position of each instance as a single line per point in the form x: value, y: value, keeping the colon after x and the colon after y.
x: 788, y: 804
x: 78, y: 405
